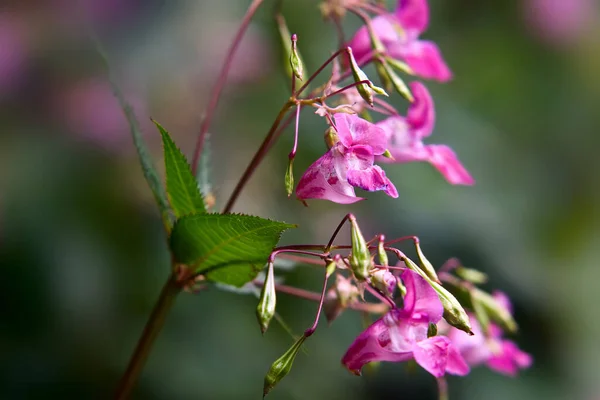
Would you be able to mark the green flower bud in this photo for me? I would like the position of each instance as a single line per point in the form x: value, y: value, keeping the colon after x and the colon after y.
x: 289, y: 178
x: 471, y: 275
x: 382, y: 254
x: 364, y: 89
x: 361, y: 261
x: 295, y: 60
x: 293, y: 64
x: 267, y: 301
x: 494, y: 310
x: 425, y: 265
x: 398, y: 83
x: 331, y: 137
x: 282, y: 366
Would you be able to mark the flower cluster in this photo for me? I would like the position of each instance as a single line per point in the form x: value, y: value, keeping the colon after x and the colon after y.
x: 355, y: 144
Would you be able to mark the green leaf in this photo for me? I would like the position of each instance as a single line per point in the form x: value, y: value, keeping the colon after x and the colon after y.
x: 148, y: 168
x: 227, y: 248
x: 181, y: 186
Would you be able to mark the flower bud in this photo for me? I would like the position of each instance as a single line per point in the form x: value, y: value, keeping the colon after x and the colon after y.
x: 384, y: 281
x: 367, y: 88
x: 471, y: 275
x: 383, y: 258
x: 383, y: 76
x: 425, y: 265
x: 360, y: 259
x: 331, y: 137
x: 295, y: 60
x: 289, y: 178
x: 267, y: 301
x: 397, y: 83
x: 282, y: 366
x: 493, y: 309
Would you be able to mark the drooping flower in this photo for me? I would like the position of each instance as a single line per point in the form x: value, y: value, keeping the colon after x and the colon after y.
x: 401, y: 335
x: 347, y: 164
x: 406, y: 134
x: 499, y: 354
x: 399, y: 33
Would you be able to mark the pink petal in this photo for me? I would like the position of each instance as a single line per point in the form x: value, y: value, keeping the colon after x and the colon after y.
x: 353, y: 130
x: 432, y: 354
x: 372, y: 179
x: 445, y: 160
x: 421, y: 302
x: 474, y: 347
x: 510, y: 359
x: 421, y: 113
x: 456, y: 364
x: 321, y: 181
x: 374, y: 344
x: 413, y: 15
x: 424, y: 58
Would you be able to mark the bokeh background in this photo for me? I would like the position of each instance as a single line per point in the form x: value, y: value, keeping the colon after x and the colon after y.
x: 82, y: 252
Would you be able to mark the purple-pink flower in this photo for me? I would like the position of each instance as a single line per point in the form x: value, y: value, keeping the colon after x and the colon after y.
x: 348, y: 164
x: 399, y: 33
x: 499, y: 354
x: 406, y: 134
x: 401, y: 335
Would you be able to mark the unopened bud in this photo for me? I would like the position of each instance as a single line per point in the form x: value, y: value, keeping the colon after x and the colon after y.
x: 289, y: 178
x: 384, y: 281
x: 295, y: 60
x: 471, y: 275
x: 425, y: 265
x: 267, y: 301
x: 331, y: 137
x: 330, y: 268
x: 494, y: 309
x: 397, y: 83
x: 399, y: 65
x: 360, y: 259
x: 282, y: 366
x: 383, y: 258
x: 364, y: 89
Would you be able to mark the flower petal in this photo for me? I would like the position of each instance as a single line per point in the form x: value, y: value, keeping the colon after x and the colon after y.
x: 421, y: 113
x: 353, y: 130
x: 510, y: 359
x: 322, y: 181
x: 421, y: 302
x: 413, y: 15
x: 373, y: 344
x: 432, y: 355
x: 372, y: 179
x: 424, y: 58
x: 444, y: 159
x: 456, y: 364
x: 385, y: 29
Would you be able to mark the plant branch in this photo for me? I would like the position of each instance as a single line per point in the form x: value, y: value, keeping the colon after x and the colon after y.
x: 156, y: 321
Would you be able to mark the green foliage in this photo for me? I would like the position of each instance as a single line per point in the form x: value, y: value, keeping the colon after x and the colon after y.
x: 184, y: 195
x: 227, y: 248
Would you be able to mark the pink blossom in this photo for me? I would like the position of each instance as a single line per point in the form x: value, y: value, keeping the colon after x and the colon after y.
x: 348, y: 163
x: 399, y: 33
x: 401, y: 335
x: 499, y: 354
x: 406, y: 134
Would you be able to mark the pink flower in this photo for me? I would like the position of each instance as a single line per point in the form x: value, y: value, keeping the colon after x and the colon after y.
x: 406, y: 134
x: 347, y: 164
x: 499, y: 354
x: 399, y: 33
x: 401, y: 335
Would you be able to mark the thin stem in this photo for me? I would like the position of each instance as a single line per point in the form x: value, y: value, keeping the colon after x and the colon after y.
x: 293, y: 153
x: 442, y: 388
x: 380, y: 296
x: 385, y: 105
x: 335, y: 233
x: 350, y: 86
x: 220, y: 84
x: 258, y: 157
x: 313, y: 328
x: 149, y: 335
x: 300, y: 259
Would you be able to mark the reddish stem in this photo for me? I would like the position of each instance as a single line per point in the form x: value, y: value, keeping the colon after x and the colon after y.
x: 350, y: 86
x: 220, y: 84
x: 293, y: 153
x: 313, y: 328
x: 318, y: 71
x: 335, y: 233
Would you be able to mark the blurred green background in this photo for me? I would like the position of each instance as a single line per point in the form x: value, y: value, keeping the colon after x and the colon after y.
x: 82, y: 252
